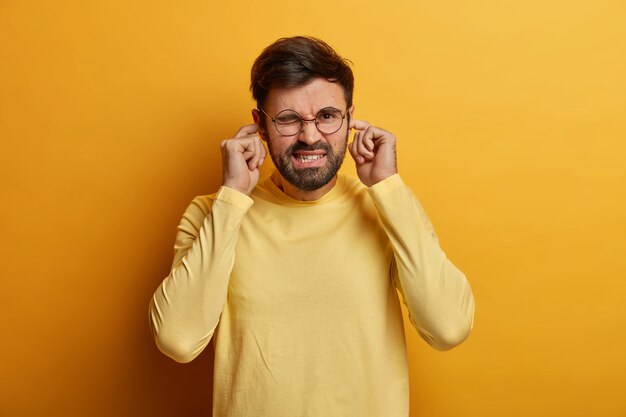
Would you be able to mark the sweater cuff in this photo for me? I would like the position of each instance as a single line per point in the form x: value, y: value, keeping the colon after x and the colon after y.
x: 386, y: 186
x: 234, y: 198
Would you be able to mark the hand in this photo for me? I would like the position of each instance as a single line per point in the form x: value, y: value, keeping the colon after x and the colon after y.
x: 241, y: 158
x: 374, y: 152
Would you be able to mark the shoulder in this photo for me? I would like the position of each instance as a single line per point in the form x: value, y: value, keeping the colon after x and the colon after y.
x: 201, y: 205
x: 351, y: 184
x: 232, y: 198
x: 350, y: 187
x: 352, y: 193
x: 195, y: 213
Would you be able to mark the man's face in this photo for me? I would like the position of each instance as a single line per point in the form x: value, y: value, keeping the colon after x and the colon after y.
x: 310, y: 159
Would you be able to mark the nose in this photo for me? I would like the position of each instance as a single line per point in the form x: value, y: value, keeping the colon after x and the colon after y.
x: 309, y: 133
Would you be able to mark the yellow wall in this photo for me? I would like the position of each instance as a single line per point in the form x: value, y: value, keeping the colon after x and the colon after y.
x: 511, y: 122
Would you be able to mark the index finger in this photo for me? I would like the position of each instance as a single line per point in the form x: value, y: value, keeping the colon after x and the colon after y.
x: 247, y: 130
x: 358, y: 124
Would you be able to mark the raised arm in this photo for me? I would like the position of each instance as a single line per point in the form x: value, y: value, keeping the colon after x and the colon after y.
x: 186, y: 308
x: 436, y: 293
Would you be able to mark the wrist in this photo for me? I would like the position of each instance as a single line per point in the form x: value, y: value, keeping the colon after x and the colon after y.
x: 234, y: 197
x: 237, y: 187
x: 375, y: 179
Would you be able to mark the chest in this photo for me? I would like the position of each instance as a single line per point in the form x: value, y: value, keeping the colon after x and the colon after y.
x: 327, y: 259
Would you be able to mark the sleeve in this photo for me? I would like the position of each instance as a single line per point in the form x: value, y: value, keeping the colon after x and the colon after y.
x: 437, y: 294
x: 186, y: 307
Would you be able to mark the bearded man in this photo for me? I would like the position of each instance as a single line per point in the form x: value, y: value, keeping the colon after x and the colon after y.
x: 295, y: 277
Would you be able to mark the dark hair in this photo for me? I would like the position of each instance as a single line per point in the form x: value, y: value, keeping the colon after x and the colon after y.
x: 291, y: 62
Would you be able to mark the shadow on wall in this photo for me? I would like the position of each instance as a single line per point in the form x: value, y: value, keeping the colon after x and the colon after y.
x: 154, y: 384
x: 177, y: 389
x: 158, y: 386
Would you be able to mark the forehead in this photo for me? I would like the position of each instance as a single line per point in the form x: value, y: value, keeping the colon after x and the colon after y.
x: 306, y: 99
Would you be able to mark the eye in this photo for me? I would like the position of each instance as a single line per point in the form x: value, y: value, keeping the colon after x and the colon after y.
x: 287, y: 117
x: 328, y: 115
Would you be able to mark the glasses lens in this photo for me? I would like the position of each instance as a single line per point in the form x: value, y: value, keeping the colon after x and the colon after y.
x: 288, y: 123
x: 329, y: 120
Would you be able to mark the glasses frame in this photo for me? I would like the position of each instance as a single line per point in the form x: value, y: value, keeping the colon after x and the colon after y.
x: 302, y: 120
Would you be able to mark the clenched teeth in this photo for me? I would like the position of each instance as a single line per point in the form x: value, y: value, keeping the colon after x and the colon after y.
x: 308, y: 158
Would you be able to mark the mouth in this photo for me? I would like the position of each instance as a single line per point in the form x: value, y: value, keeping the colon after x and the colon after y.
x: 309, y: 159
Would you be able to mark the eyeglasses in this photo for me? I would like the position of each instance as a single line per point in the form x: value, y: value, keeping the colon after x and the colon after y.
x: 290, y: 123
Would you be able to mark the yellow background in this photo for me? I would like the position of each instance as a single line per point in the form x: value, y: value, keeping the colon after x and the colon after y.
x: 511, y: 124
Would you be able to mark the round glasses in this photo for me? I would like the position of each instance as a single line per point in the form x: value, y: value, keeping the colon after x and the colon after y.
x: 290, y: 123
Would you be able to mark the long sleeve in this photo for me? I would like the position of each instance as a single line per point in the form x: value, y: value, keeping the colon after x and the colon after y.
x: 437, y: 294
x: 186, y: 307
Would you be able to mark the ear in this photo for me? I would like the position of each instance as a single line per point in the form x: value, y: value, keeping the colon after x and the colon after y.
x: 257, y: 117
x: 350, y: 115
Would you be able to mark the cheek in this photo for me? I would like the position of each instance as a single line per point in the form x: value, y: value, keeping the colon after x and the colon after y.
x: 278, y: 146
x: 339, y: 139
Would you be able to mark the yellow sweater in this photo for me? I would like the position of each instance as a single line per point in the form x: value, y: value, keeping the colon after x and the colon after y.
x: 301, y: 298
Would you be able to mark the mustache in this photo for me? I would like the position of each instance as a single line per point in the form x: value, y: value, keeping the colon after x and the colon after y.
x: 301, y: 146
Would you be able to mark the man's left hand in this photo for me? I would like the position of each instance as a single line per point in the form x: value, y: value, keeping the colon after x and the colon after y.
x: 374, y: 152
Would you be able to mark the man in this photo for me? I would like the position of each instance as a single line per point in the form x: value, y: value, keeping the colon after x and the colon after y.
x: 295, y: 277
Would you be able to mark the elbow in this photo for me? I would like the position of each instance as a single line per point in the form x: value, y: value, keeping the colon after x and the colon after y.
x: 451, y: 333
x: 456, y: 325
x: 180, y: 347
x: 179, y: 351
x: 173, y: 342
x: 449, y: 338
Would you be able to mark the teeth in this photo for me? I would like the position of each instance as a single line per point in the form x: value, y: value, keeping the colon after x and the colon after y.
x: 308, y: 158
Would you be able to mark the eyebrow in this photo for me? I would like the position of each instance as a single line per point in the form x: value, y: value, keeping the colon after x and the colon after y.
x: 318, y: 112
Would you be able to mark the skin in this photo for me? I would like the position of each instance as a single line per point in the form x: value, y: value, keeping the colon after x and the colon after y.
x: 372, y: 149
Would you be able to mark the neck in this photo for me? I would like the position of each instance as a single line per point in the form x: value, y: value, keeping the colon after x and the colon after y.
x: 297, y: 193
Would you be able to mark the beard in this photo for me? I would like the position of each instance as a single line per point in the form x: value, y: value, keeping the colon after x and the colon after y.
x: 310, y: 179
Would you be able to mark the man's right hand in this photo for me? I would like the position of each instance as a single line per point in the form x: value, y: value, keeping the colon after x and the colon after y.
x: 241, y: 158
